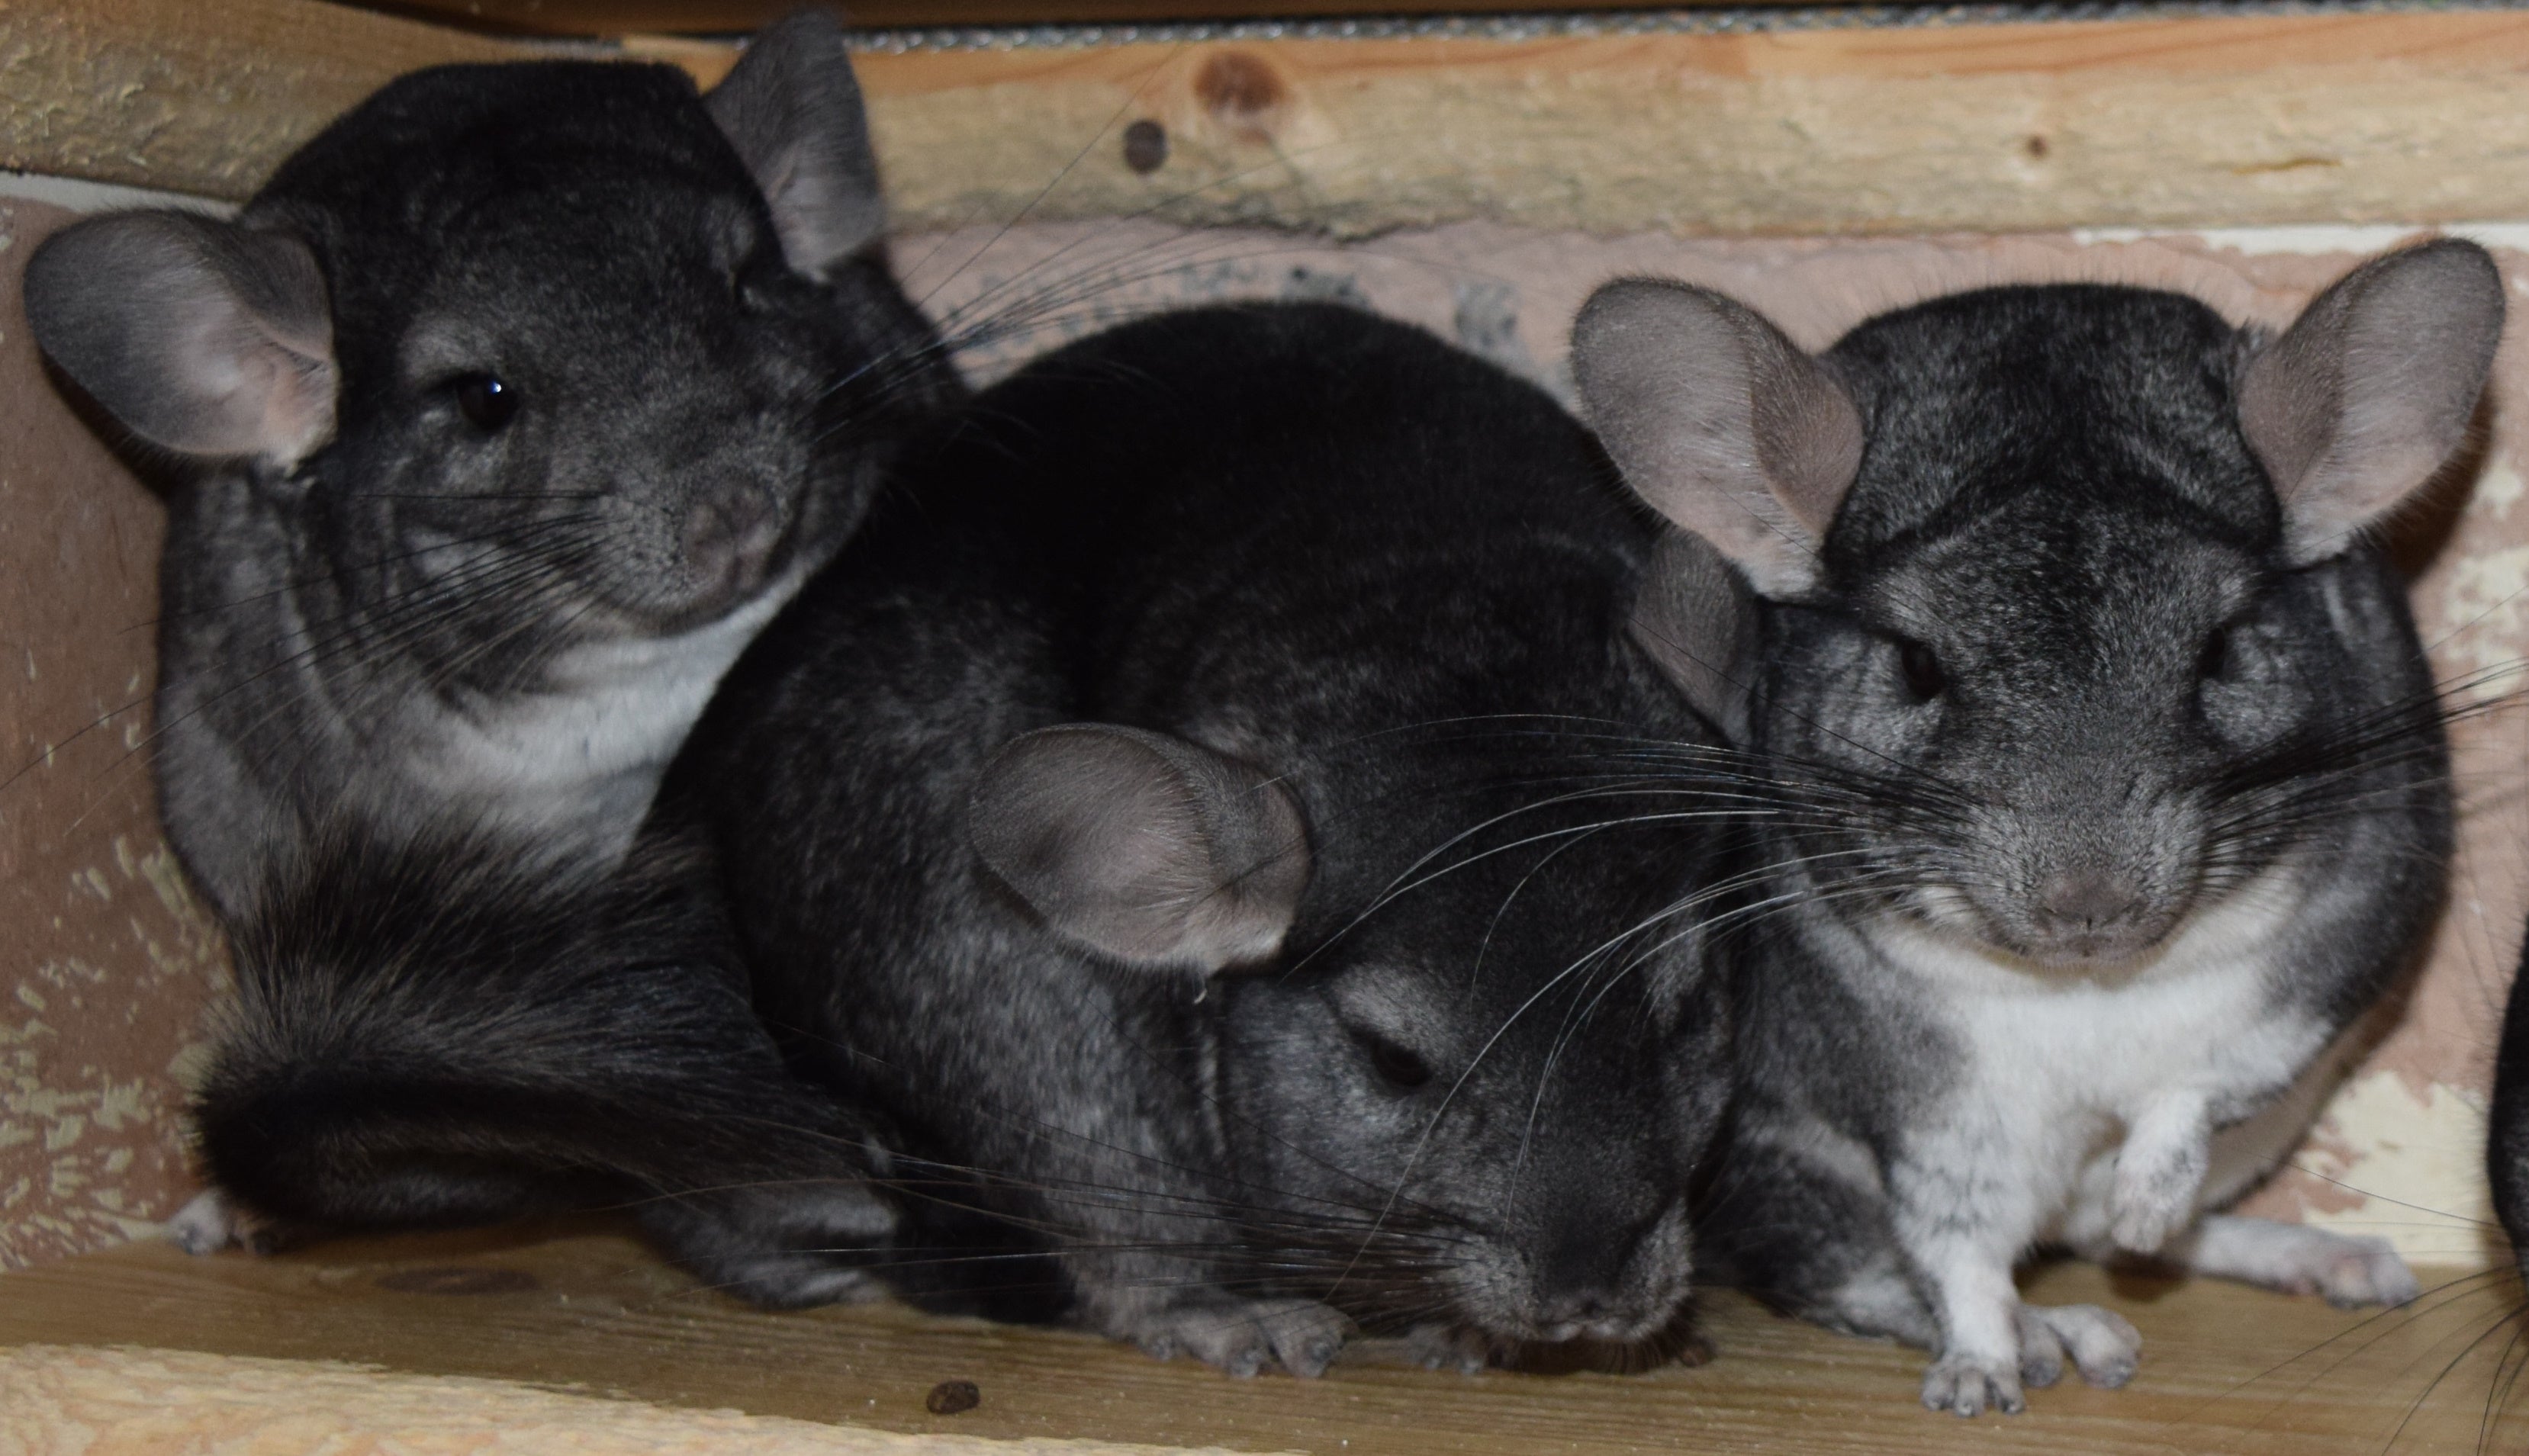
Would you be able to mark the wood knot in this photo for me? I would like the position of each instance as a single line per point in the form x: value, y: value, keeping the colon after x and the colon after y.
x: 1242, y: 91
x: 1146, y: 147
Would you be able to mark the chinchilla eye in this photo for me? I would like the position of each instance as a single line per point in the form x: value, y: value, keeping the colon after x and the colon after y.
x: 1923, y: 670
x: 2214, y: 657
x: 1402, y: 1068
x: 486, y: 403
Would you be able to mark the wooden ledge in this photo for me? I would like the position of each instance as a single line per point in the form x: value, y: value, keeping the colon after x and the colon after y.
x: 2165, y: 123
x: 2225, y: 1368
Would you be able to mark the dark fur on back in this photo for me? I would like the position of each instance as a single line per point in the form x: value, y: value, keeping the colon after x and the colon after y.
x: 1393, y: 580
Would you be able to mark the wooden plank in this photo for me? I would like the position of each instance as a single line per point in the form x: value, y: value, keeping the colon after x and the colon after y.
x: 195, y: 97
x: 729, y: 17
x: 2226, y: 1369
x: 2030, y: 126
x: 2272, y: 119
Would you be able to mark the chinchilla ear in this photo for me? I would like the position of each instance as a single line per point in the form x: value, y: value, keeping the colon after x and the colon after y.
x: 1142, y: 846
x: 2372, y: 389
x: 1692, y: 615
x: 200, y: 335
x: 1720, y: 422
x: 793, y: 109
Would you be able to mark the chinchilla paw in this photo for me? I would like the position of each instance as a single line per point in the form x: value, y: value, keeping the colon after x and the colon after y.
x: 210, y: 1222
x: 1965, y: 1384
x: 1449, y: 1347
x: 2350, y: 1271
x: 1243, y: 1336
x: 2103, y: 1345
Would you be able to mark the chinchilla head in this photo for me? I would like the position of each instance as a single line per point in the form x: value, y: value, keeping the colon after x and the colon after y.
x: 2070, y: 621
x: 548, y: 349
x: 1465, y: 1093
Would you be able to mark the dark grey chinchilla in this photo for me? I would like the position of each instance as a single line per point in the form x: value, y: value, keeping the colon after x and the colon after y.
x: 2508, y: 1156
x: 1216, y: 816
x: 514, y: 406
x: 2114, y: 775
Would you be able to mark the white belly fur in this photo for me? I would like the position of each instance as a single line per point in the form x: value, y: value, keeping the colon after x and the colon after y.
x: 2056, y: 1069
x: 582, y: 758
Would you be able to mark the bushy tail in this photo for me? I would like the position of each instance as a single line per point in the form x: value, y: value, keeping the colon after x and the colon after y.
x: 434, y: 1032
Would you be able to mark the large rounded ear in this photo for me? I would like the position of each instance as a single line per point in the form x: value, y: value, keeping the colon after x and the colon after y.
x: 1142, y: 846
x: 2372, y: 389
x: 198, y: 335
x: 1692, y: 615
x: 1720, y: 422
x: 793, y: 109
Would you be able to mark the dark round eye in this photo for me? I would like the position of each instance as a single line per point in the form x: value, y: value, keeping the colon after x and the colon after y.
x: 1923, y: 670
x: 2214, y: 657
x: 486, y: 403
x: 1402, y: 1068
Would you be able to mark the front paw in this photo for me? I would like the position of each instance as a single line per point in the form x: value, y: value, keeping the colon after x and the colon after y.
x: 1964, y: 1385
x: 1449, y: 1347
x: 212, y: 1221
x: 2350, y: 1271
x: 2102, y: 1344
x: 2144, y: 1210
x: 1241, y: 1337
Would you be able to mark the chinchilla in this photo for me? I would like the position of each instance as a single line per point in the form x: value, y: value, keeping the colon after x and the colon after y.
x: 424, y: 1033
x: 1216, y: 816
x: 2507, y: 1149
x: 2114, y: 782
x: 511, y: 408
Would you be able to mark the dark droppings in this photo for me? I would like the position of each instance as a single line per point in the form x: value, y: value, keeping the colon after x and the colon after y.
x: 458, y: 1280
x: 1146, y: 147
x: 953, y: 1398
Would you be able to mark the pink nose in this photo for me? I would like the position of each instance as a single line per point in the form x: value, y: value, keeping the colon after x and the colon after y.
x: 2087, y: 903
x: 729, y: 536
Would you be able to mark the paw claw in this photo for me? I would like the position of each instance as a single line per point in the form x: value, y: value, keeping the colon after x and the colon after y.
x: 1241, y: 1338
x: 1449, y: 1347
x: 1965, y: 1386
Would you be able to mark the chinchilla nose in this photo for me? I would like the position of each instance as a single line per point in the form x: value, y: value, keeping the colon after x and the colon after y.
x: 1580, y: 1284
x: 729, y: 538
x: 2087, y: 902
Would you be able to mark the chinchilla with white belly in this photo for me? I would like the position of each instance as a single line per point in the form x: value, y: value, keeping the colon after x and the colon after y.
x: 510, y: 410
x: 2113, y: 777
x: 1216, y: 818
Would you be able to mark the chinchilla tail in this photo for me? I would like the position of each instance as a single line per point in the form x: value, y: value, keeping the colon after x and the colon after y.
x: 433, y: 1033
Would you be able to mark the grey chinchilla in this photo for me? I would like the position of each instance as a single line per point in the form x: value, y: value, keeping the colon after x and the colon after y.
x: 509, y: 409
x: 1216, y: 816
x: 512, y: 408
x: 2113, y: 777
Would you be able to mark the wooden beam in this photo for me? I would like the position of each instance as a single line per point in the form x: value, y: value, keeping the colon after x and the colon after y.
x: 2150, y: 122
x: 191, y: 96
x: 732, y: 16
x: 2269, y: 119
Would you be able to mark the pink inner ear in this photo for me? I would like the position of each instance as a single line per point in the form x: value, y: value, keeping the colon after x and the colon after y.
x: 2372, y: 390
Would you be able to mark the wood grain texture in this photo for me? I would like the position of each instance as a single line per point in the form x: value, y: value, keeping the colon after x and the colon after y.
x: 2231, y: 120
x: 1987, y: 129
x: 726, y: 16
x: 2226, y: 1369
x: 195, y: 97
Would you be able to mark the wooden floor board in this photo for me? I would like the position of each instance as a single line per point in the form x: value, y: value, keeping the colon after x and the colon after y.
x: 2225, y: 1371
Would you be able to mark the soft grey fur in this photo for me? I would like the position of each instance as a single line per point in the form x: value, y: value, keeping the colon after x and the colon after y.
x: 511, y: 409
x: 1216, y: 817
x: 2113, y: 778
